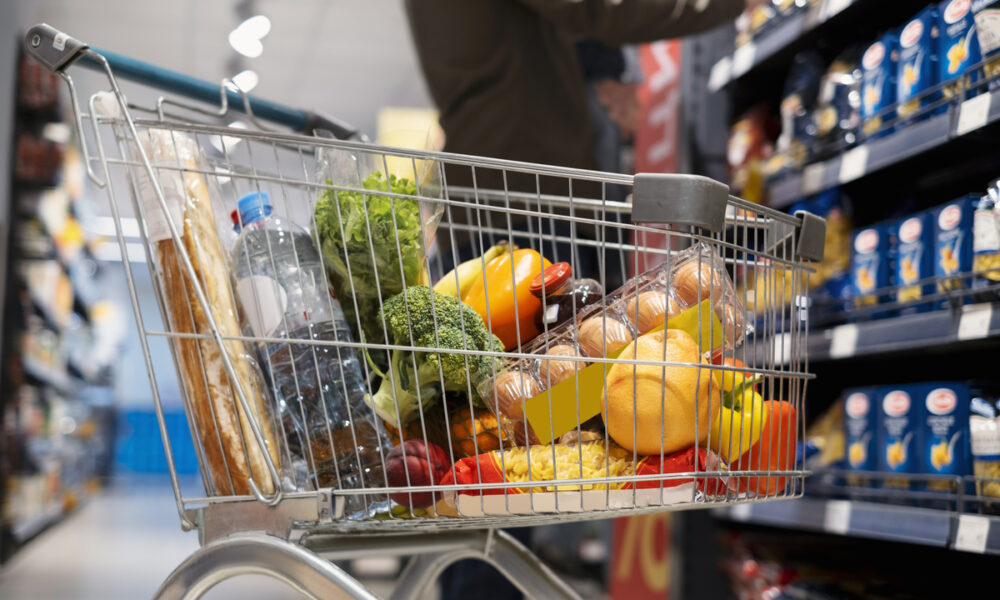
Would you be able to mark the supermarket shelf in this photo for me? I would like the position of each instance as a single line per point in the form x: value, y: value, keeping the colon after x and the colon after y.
x: 939, y: 329
x: 873, y: 520
x: 795, y: 28
x: 868, y: 158
x: 29, y: 528
x: 46, y: 375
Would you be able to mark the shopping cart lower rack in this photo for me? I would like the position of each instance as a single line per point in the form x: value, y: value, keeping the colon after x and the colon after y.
x: 374, y: 342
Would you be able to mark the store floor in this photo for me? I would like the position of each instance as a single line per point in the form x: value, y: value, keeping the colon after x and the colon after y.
x: 120, y: 546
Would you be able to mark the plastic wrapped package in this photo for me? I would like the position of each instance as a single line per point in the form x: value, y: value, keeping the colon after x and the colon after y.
x: 798, y: 101
x: 539, y: 398
x: 837, y: 114
x: 987, y: 16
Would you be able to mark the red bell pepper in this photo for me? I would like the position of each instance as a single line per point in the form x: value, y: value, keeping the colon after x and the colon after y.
x: 774, y: 451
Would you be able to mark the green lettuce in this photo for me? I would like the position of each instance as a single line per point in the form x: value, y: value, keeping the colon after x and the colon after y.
x: 361, y: 230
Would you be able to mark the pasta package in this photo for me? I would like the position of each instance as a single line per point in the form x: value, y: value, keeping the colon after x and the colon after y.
x: 597, y: 460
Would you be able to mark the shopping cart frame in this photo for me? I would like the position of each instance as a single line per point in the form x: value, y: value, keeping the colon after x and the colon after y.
x: 265, y: 534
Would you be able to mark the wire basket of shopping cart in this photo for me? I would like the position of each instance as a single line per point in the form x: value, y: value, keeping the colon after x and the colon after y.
x: 377, y: 339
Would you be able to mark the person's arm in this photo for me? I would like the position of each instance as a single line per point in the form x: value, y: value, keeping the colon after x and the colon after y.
x: 616, y: 22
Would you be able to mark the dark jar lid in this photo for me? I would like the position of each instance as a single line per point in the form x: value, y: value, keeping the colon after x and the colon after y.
x: 552, y: 277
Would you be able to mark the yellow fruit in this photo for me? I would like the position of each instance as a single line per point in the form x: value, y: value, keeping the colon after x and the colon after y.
x: 649, y: 408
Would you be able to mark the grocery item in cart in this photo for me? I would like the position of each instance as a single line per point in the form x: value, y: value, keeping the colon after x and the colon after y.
x: 953, y: 238
x: 554, y: 462
x: 900, y: 437
x: 871, y: 249
x: 544, y: 408
x: 914, y: 261
x: 878, y: 84
x: 774, y: 451
x: 416, y: 379
x: 231, y: 451
x: 562, y: 296
x: 945, y: 431
x: 987, y: 15
x: 319, y: 390
x: 958, y: 46
x: 917, y: 69
x: 373, y: 245
x: 655, y: 409
x: 984, y: 433
x: 502, y: 296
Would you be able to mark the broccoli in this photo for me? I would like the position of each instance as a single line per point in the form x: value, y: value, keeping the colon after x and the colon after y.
x: 416, y: 380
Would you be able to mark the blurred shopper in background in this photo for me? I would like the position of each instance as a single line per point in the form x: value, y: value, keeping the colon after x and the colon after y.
x: 507, y: 81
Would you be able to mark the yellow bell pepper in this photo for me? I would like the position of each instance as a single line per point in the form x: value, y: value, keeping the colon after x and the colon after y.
x: 738, y: 426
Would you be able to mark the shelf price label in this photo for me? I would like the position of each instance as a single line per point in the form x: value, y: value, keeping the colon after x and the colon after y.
x: 812, y: 178
x: 837, y: 518
x: 853, y: 164
x: 740, y: 512
x: 719, y: 75
x: 743, y: 58
x: 834, y: 7
x: 782, y: 348
x: 973, y: 531
x: 973, y: 114
x: 975, y: 321
x: 843, y: 341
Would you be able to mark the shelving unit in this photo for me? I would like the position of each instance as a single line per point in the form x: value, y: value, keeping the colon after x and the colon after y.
x: 52, y: 434
x: 871, y: 520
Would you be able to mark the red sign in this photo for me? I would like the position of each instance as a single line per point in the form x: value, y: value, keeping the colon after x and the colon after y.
x: 640, y: 558
x: 658, y: 132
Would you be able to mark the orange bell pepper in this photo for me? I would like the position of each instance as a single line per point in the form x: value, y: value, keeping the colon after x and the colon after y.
x: 505, y: 285
x: 774, y: 451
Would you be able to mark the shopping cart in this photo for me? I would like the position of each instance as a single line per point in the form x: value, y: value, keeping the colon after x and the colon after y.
x: 655, y: 399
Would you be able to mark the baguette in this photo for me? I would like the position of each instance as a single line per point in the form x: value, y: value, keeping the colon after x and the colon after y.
x: 230, y: 448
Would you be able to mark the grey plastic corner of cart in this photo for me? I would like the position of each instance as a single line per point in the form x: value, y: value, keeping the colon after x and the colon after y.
x: 679, y: 200
x: 811, y: 237
x: 51, y: 47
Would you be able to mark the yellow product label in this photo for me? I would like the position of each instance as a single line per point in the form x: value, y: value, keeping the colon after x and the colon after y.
x: 563, y: 406
x: 956, y: 56
x: 940, y: 457
x: 857, y: 453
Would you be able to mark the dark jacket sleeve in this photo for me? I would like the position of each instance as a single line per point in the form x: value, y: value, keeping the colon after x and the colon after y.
x: 616, y: 22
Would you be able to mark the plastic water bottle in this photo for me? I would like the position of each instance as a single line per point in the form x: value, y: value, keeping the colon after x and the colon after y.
x: 319, y: 390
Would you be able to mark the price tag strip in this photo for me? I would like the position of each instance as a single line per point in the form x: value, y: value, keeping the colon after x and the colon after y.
x: 837, y: 518
x: 973, y: 114
x: 843, y: 341
x: 812, y: 178
x: 719, y: 75
x: 743, y: 58
x: 853, y: 164
x: 973, y: 531
x: 975, y: 321
x: 832, y: 8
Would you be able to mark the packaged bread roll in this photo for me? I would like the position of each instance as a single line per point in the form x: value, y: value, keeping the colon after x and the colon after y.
x: 231, y: 451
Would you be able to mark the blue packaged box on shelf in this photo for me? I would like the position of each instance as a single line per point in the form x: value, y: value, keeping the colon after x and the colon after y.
x: 958, y: 46
x: 917, y: 71
x: 953, y: 237
x: 871, y: 254
x: 860, y: 425
x: 987, y: 16
x: 914, y: 262
x: 899, y: 437
x: 945, y: 431
x: 878, y: 85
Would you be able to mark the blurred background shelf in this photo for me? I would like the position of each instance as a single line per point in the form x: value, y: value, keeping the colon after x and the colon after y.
x: 940, y: 329
x: 872, y: 520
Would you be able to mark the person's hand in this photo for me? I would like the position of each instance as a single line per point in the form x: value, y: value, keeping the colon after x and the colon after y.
x: 621, y: 103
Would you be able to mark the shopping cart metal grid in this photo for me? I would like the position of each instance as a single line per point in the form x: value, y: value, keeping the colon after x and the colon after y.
x: 298, y: 469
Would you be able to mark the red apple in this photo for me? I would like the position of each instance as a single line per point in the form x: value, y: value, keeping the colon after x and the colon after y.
x: 424, y: 462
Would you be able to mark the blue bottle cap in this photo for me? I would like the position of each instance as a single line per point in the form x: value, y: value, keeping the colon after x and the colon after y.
x: 254, y: 206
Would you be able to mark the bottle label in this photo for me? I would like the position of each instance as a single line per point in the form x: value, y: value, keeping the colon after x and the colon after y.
x: 263, y: 301
x: 986, y: 237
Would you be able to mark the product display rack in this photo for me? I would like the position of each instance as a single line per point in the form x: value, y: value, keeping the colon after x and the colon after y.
x: 53, y: 436
x: 947, y: 149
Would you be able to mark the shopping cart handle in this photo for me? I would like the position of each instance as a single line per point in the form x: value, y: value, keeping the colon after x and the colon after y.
x: 57, y: 51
